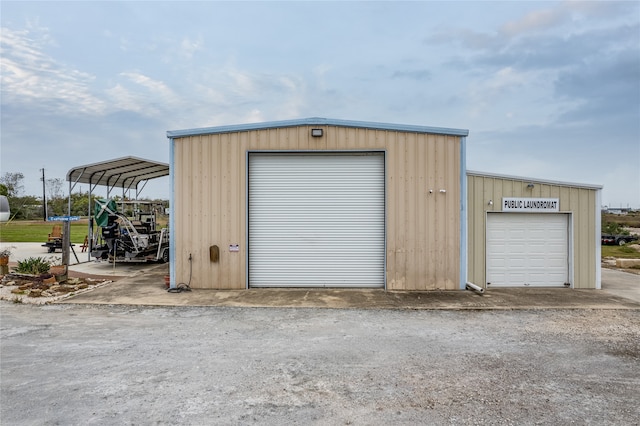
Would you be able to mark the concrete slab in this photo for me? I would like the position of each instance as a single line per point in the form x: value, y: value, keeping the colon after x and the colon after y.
x: 143, y: 284
x: 147, y: 288
x: 620, y: 283
x: 22, y: 251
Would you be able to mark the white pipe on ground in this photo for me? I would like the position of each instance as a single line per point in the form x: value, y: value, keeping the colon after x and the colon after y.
x: 477, y: 288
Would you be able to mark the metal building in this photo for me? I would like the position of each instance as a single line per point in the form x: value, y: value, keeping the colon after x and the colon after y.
x: 318, y: 203
x: 332, y: 203
x: 533, y: 233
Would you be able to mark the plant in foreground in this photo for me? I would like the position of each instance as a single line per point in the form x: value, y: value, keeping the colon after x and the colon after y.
x: 6, y: 251
x: 33, y: 265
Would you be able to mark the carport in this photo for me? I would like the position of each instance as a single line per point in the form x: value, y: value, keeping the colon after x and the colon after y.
x: 131, y: 174
x: 128, y: 173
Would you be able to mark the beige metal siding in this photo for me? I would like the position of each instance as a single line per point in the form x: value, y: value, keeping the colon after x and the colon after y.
x: 422, y: 228
x: 581, y: 202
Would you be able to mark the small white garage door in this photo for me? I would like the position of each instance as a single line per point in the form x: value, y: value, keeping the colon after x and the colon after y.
x: 316, y: 220
x: 527, y: 250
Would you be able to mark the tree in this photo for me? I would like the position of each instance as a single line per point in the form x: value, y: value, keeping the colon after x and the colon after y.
x: 3, y: 190
x: 27, y: 207
x: 54, y: 188
x: 13, y: 183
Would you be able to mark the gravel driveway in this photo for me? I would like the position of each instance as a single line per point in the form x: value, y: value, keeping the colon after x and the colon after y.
x: 84, y: 364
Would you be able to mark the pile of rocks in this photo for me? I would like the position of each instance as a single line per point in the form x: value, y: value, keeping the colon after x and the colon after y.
x: 42, y: 289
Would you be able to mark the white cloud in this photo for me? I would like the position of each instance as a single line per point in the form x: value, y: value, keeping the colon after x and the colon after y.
x: 188, y: 47
x: 32, y: 78
x: 538, y: 20
x: 156, y: 87
x: 210, y: 94
x: 505, y: 79
x: 146, y: 96
x: 486, y: 93
x: 243, y: 83
x: 127, y: 100
x: 321, y: 73
x: 125, y: 45
x: 234, y: 89
x: 293, y: 97
x: 254, y: 116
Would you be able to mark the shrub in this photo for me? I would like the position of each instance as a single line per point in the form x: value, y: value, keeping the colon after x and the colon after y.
x: 614, y: 229
x: 33, y: 265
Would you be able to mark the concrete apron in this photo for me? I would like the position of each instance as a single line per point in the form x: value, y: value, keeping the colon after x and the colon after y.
x: 147, y: 287
x: 143, y: 284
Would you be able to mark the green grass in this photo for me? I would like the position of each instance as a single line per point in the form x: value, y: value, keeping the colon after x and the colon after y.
x: 621, y: 252
x: 29, y: 231
x: 33, y: 231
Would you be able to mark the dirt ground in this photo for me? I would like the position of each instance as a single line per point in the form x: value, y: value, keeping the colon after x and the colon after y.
x: 88, y: 364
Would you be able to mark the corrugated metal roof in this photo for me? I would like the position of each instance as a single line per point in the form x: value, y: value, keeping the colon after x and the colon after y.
x: 316, y: 121
x: 125, y: 172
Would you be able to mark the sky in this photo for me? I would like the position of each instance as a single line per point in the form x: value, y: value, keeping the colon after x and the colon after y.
x: 547, y: 90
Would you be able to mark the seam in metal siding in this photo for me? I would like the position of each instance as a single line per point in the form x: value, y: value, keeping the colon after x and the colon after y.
x: 316, y: 220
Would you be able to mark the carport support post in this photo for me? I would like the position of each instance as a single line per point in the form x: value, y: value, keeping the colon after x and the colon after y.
x: 66, y: 245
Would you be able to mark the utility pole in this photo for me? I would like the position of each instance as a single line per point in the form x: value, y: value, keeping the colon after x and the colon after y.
x: 44, y: 196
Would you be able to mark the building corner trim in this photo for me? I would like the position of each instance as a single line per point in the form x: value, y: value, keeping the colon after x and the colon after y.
x: 172, y: 220
x: 463, y: 213
x: 598, y: 242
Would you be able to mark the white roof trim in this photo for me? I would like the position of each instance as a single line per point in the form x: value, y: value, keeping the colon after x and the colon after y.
x: 534, y: 180
x: 316, y: 121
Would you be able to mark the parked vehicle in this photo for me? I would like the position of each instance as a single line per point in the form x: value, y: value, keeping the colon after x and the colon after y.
x: 619, y: 240
x: 124, y: 239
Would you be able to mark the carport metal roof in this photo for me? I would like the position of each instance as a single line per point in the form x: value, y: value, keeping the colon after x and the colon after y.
x: 126, y: 173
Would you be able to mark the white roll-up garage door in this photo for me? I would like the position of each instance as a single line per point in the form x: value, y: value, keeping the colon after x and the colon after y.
x: 527, y: 249
x: 316, y: 220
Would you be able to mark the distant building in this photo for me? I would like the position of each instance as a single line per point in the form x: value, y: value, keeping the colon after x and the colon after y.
x: 619, y: 211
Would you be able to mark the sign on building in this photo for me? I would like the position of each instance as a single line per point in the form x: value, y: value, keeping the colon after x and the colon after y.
x: 517, y: 204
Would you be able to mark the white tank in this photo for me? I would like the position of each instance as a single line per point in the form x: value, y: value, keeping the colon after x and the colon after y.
x: 5, y: 212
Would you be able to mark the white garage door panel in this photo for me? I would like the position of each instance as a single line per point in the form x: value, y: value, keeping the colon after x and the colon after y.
x: 516, y: 262
x: 527, y: 250
x: 316, y: 220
